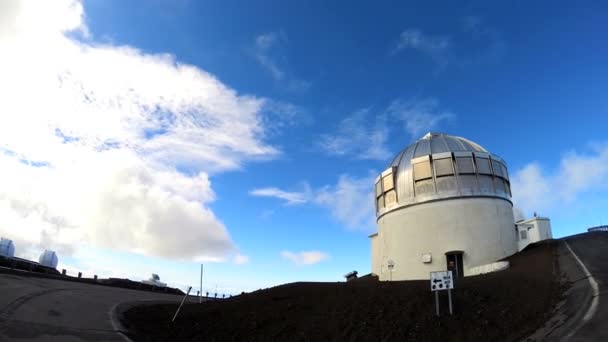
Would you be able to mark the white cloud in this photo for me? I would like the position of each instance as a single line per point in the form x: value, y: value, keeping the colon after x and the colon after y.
x: 304, y: 258
x: 418, y: 115
x: 92, y: 137
x: 434, y: 46
x: 290, y: 197
x: 535, y: 189
x: 358, y: 138
x: 349, y: 201
x: 269, y: 51
x: 240, y: 259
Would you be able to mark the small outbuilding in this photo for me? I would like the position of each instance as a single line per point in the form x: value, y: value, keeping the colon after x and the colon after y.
x: 351, y: 275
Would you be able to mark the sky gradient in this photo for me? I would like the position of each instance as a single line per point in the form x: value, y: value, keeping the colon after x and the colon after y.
x: 151, y: 136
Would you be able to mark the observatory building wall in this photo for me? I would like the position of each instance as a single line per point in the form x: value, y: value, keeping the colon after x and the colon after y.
x: 417, y: 238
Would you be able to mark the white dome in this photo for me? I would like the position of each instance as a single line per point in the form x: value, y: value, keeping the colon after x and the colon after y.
x: 7, y: 248
x: 48, y: 259
x: 440, y: 166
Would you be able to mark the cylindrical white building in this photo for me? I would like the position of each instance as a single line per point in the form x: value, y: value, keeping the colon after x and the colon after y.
x: 443, y: 203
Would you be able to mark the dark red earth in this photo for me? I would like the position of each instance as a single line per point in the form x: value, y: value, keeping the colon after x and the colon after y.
x: 501, y: 306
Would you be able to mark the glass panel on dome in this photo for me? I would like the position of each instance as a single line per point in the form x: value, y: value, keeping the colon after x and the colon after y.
x: 483, y: 166
x: 387, y: 182
x: 390, y: 198
x: 504, y: 171
x: 424, y: 187
x: 443, y: 167
x: 465, y: 165
x: 485, y: 184
x: 508, y: 188
x: 497, y: 168
x: 378, y: 189
x: 422, y: 170
x: 446, y: 184
x: 380, y: 203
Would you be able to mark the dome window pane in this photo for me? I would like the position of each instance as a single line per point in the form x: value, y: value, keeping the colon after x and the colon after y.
x: 483, y: 166
x: 390, y: 198
x: 387, y: 182
x: 443, y: 167
x: 422, y: 170
x: 505, y: 174
x: 465, y: 165
x: 497, y: 168
x: 380, y: 203
x: 378, y: 189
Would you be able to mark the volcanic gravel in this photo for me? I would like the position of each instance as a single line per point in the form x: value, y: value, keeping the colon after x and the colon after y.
x: 501, y: 306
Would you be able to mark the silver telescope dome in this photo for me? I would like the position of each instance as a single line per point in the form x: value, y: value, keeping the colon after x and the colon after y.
x: 7, y: 248
x: 48, y: 258
x: 437, y: 167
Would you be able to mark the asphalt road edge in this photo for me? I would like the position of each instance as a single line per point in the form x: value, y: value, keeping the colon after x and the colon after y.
x: 117, y: 311
x: 595, y: 299
x: 115, y: 319
x: 568, y: 312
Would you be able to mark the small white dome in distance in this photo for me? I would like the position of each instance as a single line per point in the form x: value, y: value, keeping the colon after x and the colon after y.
x: 48, y: 258
x: 7, y: 248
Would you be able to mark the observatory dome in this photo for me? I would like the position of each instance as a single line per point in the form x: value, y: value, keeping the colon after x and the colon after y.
x: 444, y: 202
x: 48, y: 258
x: 440, y: 166
x: 7, y: 248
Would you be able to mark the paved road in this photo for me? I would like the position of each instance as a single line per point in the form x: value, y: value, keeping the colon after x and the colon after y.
x: 592, y: 250
x: 38, y: 309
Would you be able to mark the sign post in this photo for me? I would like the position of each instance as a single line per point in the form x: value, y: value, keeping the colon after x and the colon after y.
x: 442, y: 280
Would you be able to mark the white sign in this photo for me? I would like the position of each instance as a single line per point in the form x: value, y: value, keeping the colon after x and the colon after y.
x: 441, y: 281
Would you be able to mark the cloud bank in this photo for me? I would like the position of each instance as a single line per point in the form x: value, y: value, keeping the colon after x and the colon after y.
x: 107, y: 145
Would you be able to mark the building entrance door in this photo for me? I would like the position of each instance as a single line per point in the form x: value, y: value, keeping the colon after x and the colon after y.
x: 454, y: 263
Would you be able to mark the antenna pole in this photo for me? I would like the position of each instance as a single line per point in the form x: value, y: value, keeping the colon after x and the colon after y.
x: 200, y: 298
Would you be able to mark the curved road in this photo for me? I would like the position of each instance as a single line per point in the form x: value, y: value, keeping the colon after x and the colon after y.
x: 592, y: 250
x: 39, y: 309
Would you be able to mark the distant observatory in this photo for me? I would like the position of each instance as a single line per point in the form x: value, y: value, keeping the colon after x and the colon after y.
x: 444, y: 202
x: 7, y: 248
x: 48, y: 258
x: 154, y: 280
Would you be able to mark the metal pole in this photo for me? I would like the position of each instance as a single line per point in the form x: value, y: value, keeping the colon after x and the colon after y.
x: 182, y: 303
x: 200, y: 298
x: 437, y: 303
x: 450, y: 299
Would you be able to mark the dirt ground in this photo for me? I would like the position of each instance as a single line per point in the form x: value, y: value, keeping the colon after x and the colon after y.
x: 502, y: 306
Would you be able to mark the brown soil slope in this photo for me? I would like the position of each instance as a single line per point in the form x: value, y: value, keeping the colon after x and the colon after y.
x: 502, y: 306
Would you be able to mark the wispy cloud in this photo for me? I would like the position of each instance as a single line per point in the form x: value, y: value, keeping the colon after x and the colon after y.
x: 349, y: 201
x: 264, y: 44
x: 240, y: 259
x: 418, y: 115
x: 470, y: 44
x: 269, y: 51
x: 304, y: 258
x: 357, y: 137
x: 363, y: 135
x: 94, y: 135
x: 433, y: 46
x: 535, y: 189
x: 290, y: 197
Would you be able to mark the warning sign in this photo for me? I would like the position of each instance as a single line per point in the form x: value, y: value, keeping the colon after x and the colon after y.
x: 441, y: 281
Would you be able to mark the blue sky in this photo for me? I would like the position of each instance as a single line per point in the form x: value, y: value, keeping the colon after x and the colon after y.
x: 259, y: 126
